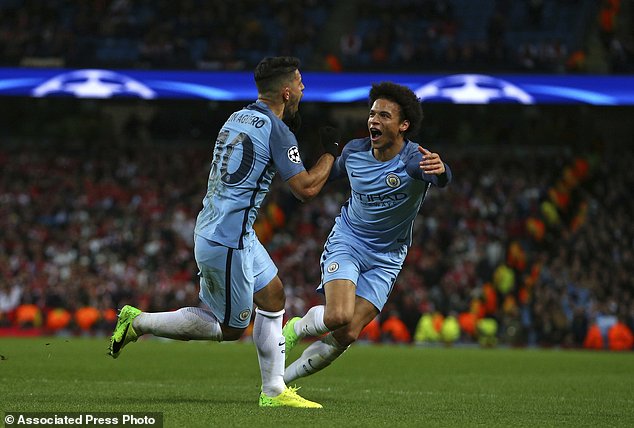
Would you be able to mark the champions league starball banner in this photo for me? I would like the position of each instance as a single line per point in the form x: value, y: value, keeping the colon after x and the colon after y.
x: 320, y: 87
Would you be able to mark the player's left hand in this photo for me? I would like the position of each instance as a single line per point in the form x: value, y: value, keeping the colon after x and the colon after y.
x: 431, y: 163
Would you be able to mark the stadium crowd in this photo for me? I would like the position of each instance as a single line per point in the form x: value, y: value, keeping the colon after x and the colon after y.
x: 524, y: 248
x: 530, y: 36
x: 535, y: 244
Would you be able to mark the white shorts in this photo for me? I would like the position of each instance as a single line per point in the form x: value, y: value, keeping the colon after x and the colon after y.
x: 229, y: 277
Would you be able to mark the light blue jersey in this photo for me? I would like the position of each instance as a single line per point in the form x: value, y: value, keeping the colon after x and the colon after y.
x: 369, y: 240
x: 251, y: 147
x: 385, y: 196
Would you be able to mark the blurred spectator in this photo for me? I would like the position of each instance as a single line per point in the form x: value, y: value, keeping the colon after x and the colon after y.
x: 403, y: 34
x: 620, y: 337
x: 394, y: 330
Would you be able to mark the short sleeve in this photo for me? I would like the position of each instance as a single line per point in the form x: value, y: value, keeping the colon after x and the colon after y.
x: 285, y: 151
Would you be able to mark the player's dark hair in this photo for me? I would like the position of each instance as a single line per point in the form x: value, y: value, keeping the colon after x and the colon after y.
x: 411, y: 109
x: 273, y: 72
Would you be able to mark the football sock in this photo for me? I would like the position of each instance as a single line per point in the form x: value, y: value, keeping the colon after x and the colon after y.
x: 270, y: 344
x: 184, y: 324
x: 311, y: 324
x: 317, y: 356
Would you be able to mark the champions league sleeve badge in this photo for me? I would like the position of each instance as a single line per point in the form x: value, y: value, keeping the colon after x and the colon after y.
x: 293, y: 155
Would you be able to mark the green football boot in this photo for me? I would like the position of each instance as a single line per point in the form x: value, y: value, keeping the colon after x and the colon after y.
x: 291, y: 338
x: 123, y: 331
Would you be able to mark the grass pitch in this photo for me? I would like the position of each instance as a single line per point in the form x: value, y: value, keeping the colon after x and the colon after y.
x: 210, y: 384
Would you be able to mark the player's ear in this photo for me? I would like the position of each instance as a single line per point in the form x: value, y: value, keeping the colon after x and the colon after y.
x: 404, y: 126
x: 286, y: 94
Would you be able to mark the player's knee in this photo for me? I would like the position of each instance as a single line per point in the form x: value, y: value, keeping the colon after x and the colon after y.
x: 278, y: 302
x: 337, y: 319
x: 271, y: 298
x: 230, y: 334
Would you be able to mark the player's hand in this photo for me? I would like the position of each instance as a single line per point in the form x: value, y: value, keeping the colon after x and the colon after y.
x: 431, y: 163
x: 294, y: 123
x: 330, y: 138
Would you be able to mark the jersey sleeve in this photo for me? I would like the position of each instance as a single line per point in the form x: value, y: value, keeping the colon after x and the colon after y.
x: 339, y: 167
x: 285, y: 151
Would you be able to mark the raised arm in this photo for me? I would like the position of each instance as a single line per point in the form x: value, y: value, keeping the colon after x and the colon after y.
x: 433, y: 166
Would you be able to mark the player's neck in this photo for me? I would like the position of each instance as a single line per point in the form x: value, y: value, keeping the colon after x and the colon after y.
x: 276, y: 108
x: 388, y: 152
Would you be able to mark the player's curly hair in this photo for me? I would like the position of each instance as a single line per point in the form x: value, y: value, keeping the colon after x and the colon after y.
x: 411, y: 109
x: 273, y: 72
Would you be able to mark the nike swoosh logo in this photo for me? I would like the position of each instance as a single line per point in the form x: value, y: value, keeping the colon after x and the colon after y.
x: 281, y: 344
x: 117, y: 345
x: 311, y: 364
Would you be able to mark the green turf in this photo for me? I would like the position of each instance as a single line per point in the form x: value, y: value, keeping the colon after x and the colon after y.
x: 211, y: 384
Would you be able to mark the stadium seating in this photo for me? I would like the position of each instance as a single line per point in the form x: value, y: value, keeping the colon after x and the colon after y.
x: 402, y: 35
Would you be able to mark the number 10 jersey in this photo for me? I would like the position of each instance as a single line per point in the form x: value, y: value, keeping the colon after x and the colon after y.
x: 252, y: 146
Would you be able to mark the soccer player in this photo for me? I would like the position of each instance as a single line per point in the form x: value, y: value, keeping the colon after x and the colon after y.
x: 235, y: 269
x: 389, y: 176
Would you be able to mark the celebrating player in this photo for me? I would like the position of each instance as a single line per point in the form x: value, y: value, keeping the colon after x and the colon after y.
x: 235, y: 269
x: 389, y: 176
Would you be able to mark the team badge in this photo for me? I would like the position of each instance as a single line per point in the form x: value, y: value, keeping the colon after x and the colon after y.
x: 244, y: 315
x: 332, y: 267
x: 392, y: 180
x: 293, y: 155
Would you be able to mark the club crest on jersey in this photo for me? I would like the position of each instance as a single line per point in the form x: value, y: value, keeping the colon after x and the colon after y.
x: 293, y: 155
x: 244, y: 315
x: 332, y: 267
x: 392, y: 180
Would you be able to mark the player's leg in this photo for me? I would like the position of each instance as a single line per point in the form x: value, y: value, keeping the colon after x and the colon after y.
x: 267, y: 334
x: 184, y: 324
x: 364, y: 313
x: 225, y: 287
x: 220, y: 270
x: 340, y: 271
x: 322, y: 353
x: 321, y: 319
x: 374, y: 284
x: 188, y: 323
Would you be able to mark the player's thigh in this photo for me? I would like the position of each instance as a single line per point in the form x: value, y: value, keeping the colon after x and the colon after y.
x: 340, y: 301
x: 268, y: 288
x: 340, y: 268
x: 226, y: 282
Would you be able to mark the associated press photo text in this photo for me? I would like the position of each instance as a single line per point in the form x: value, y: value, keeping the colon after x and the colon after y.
x: 84, y: 419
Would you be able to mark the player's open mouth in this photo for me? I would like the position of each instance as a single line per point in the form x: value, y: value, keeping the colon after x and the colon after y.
x: 375, y: 134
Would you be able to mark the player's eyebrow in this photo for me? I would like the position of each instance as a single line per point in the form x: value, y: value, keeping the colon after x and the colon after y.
x: 384, y: 112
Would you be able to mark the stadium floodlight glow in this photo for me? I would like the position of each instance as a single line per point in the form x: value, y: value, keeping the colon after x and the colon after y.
x: 320, y: 86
